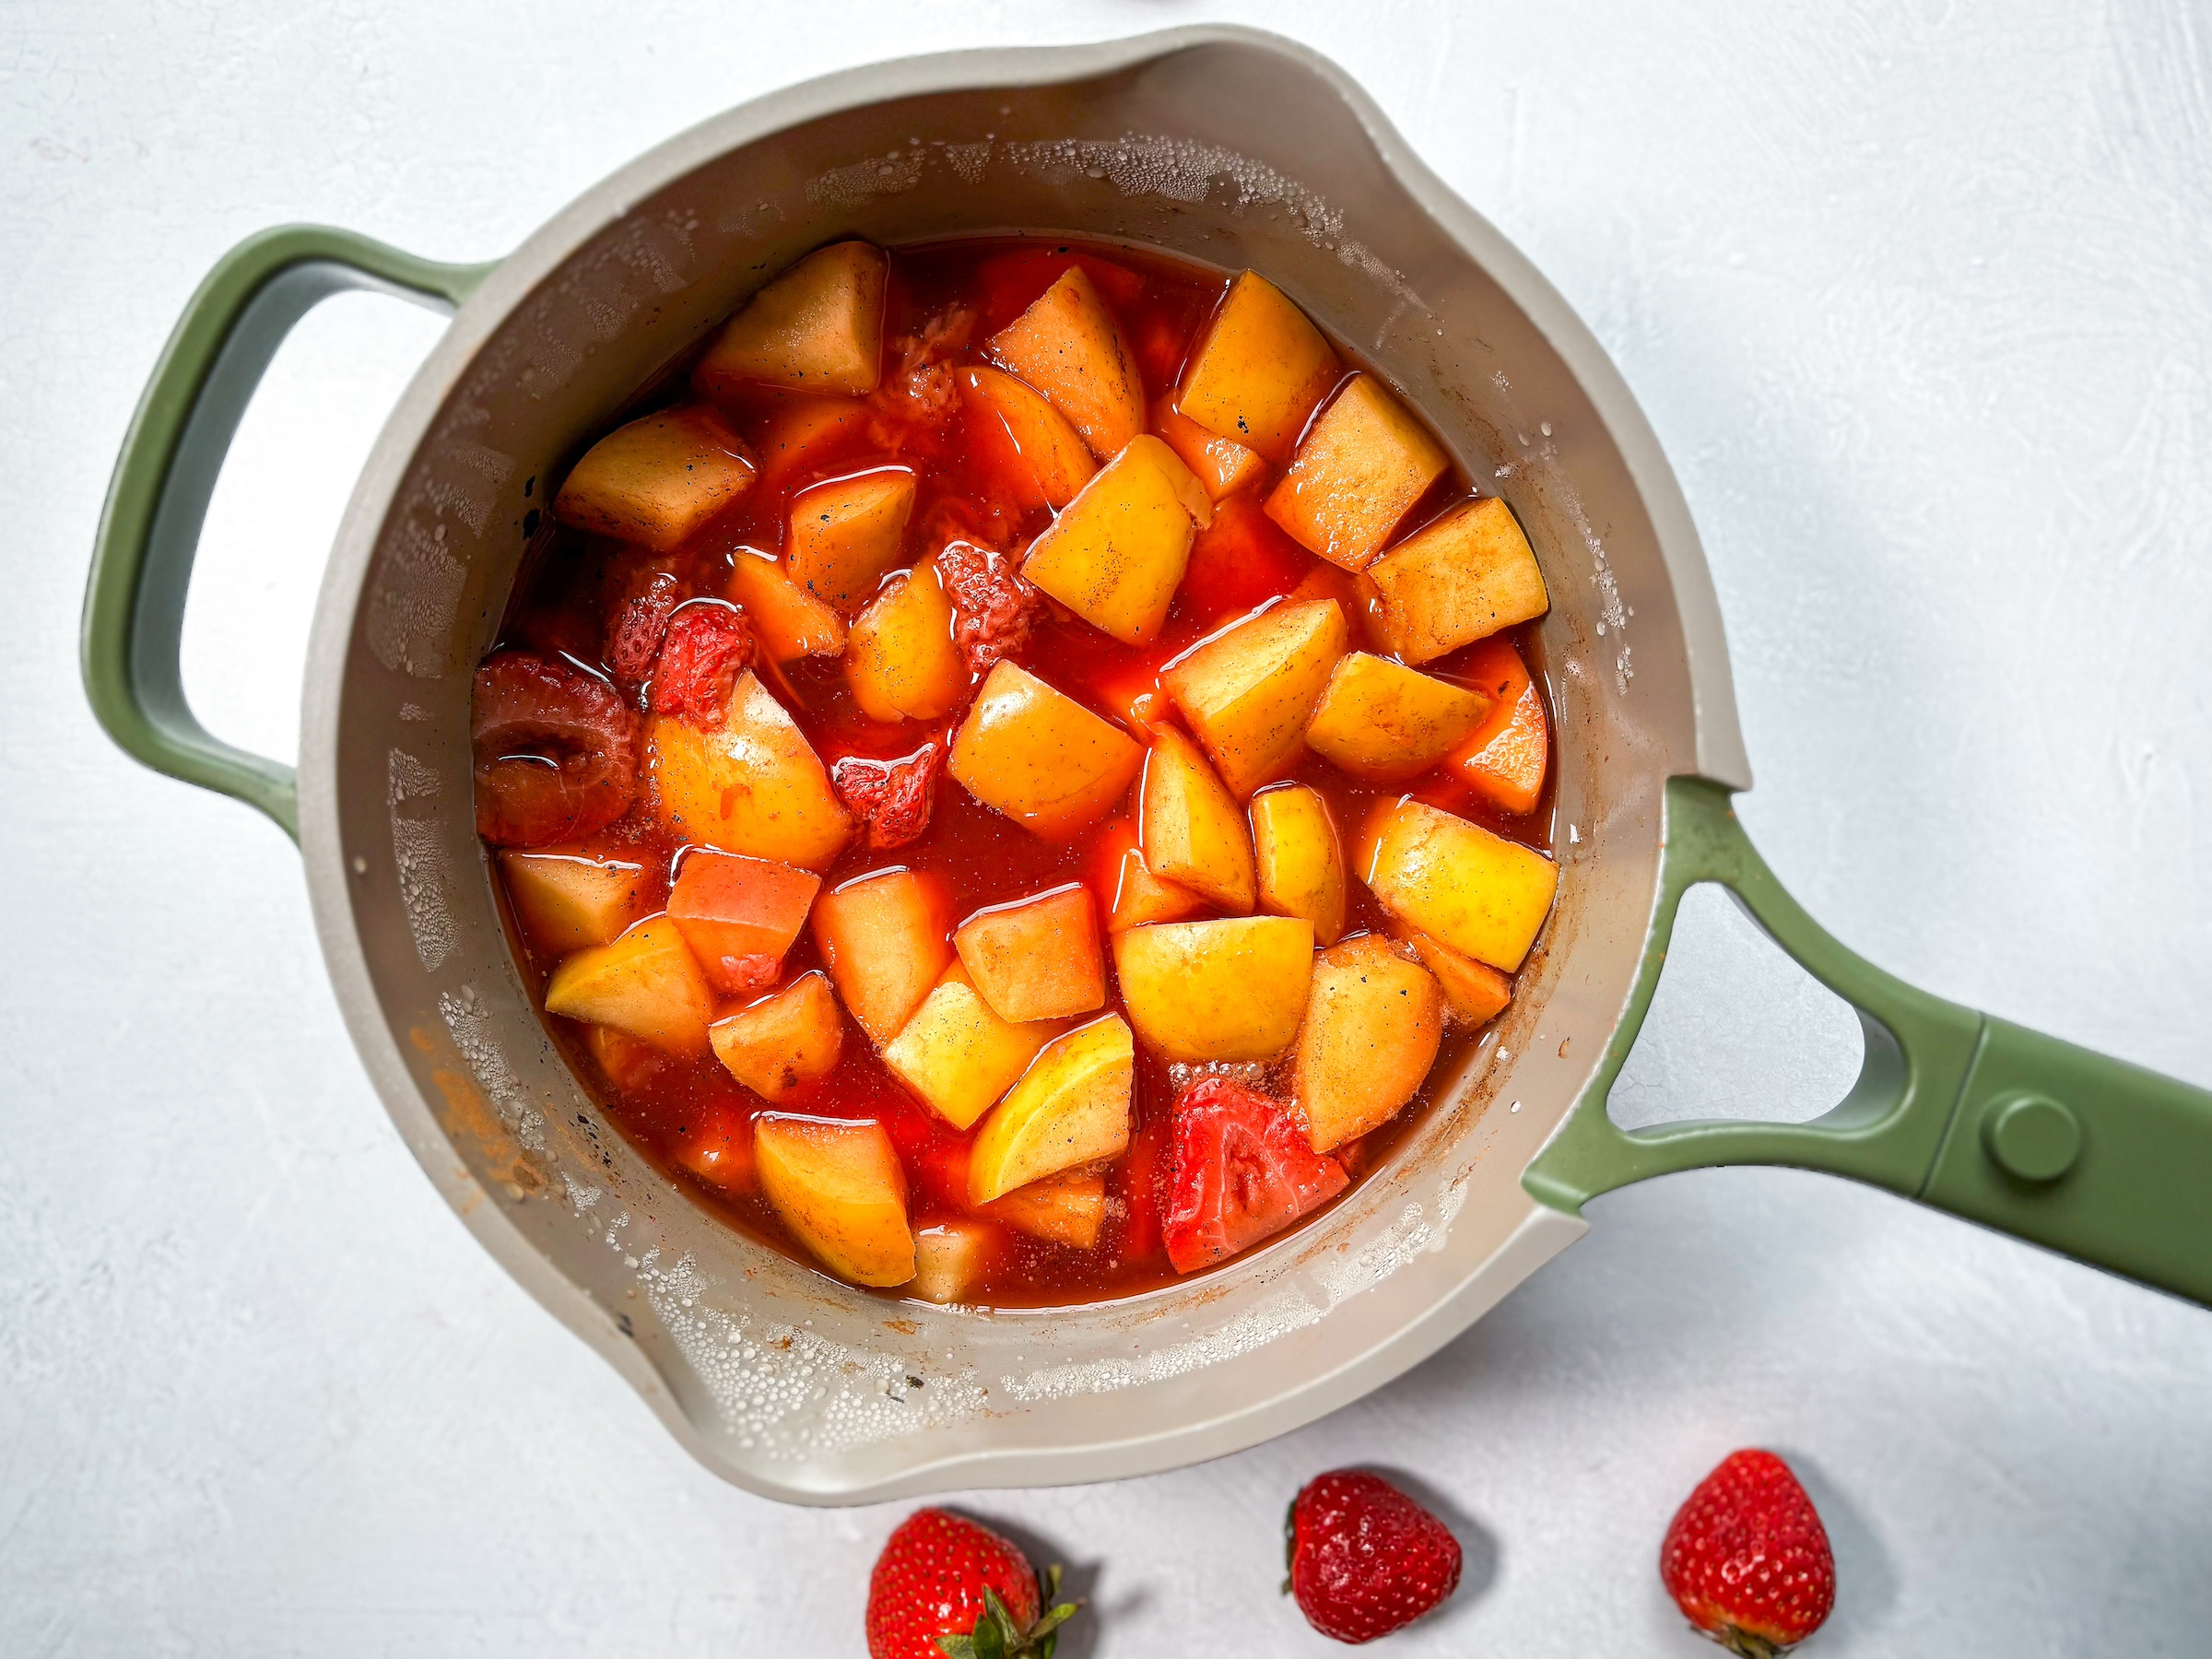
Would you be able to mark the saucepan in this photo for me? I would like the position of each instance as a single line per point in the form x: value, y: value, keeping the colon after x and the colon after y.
x: 1224, y: 146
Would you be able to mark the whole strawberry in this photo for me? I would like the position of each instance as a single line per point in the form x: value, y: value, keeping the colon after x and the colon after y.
x: 1746, y: 1559
x: 1365, y: 1559
x: 945, y: 1586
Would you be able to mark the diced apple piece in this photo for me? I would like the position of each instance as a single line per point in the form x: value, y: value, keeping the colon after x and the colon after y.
x: 1359, y: 471
x: 845, y: 534
x: 1382, y: 722
x: 1260, y: 370
x: 1228, y: 990
x: 1222, y: 466
x: 1505, y: 757
x: 627, y: 1062
x: 883, y: 937
x: 730, y: 907
x: 836, y: 1185
x: 1300, y: 858
x: 656, y: 479
x: 1038, y: 959
x: 1191, y: 830
x: 1458, y: 579
x: 1068, y: 346
x: 717, y: 1146
x: 1370, y: 1035
x: 817, y: 327
x: 645, y: 982
x: 1116, y: 556
x: 565, y: 904
x: 1474, y: 994
x: 1070, y: 1108
x: 1456, y: 882
x: 789, y: 621
x: 782, y: 1042
x: 953, y: 1259
x: 901, y: 660
x: 1039, y: 757
x: 752, y: 785
x: 1128, y: 892
x: 1069, y: 1209
x: 1042, y: 446
x: 1246, y: 694
x: 805, y: 433
x: 957, y: 1055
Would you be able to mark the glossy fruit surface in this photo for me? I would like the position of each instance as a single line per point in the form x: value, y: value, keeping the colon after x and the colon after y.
x: 1365, y: 1559
x: 1746, y: 1559
x: 946, y: 1585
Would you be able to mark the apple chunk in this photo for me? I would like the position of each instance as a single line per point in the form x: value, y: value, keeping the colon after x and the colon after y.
x: 1475, y: 994
x: 846, y: 534
x: 1506, y: 757
x: 782, y: 1042
x: 901, y: 660
x: 752, y: 785
x: 1041, y: 446
x: 789, y: 621
x: 1128, y: 892
x: 1458, y: 579
x: 1372, y: 1031
x: 1191, y: 831
x: 1228, y: 990
x: 1259, y: 371
x: 1039, y: 757
x: 1036, y: 959
x: 656, y: 479
x: 646, y: 983
x: 816, y: 327
x: 1300, y: 858
x: 1246, y: 694
x: 1117, y: 553
x: 734, y: 912
x: 1069, y: 1209
x: 1384, y: 721
x: 958, y: 1056
x: 836, y: 1185
x: 1360, y: 469
x: 1221, y: 465
x: 1456, y: 882
x: 1071, y: 1107
x: 883, y: 937
x: 1068, y: 346
x: 565, y: 904
x: 953, y: 1259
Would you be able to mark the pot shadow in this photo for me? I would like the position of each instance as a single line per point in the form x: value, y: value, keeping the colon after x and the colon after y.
x: 1080, y: 1637
x: 1866, y: 1584
x: 1478, y: 1547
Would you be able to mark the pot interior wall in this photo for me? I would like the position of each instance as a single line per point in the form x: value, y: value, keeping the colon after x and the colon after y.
x: 1228, y: 152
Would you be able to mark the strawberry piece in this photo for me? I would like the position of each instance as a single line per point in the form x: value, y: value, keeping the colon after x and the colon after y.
x: 993, y: 608
x: 891, y: 798
x: 1365, y: 1559
x: 1746, y: 1559
x: 946, y: 1587
x: 706, y: 647
x: 1238, y: 1172
x: 555, y: 751
x: 637, y: 622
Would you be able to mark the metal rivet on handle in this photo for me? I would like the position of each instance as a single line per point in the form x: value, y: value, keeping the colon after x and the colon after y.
x: 2031, y: 1136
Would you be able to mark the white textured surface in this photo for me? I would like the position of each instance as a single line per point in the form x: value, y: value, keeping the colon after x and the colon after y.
x: 1916, y: 296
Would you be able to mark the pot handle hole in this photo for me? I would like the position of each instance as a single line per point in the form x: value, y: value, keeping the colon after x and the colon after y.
x: 150, y: 528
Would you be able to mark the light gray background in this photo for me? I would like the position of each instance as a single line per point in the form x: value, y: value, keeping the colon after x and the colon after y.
x: 1919, y: 298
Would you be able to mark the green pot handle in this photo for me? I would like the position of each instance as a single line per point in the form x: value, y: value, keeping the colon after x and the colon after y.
x: 2089, y: 1155
x: 158, y: 499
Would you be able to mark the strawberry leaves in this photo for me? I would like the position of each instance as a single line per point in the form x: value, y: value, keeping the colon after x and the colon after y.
x: 997, y: 1636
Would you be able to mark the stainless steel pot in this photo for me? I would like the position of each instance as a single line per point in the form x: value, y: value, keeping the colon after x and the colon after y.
x: 1225, y: 145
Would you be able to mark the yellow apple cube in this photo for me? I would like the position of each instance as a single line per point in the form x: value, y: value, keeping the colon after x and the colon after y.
x: 1362, y: 467
x: 1068, y: 346
x: 953, y: 1260
x: 657, y: 479
x: 646, y: 982
x: 1300, y: 858
x: 1371, y: 1031
x: 752, y: 785
x: 846, y: 534
x: 1260, y: 370
x: 1228, y: 990
x: 789, y: 621
x: 1038, y: 959
x: 1044, y: 445
x: 1039, y: 757
x: 1069, y: 1209
x: 781, y: 1043
x: 957, y: 1055
x: 883, y: 937
x: 565, y: 904
x: 1247, y: 694
x: 900, y: 661
x: 1456, y: 580
x: 817, y: 327
x: 1190, y: 828
x: 1456, y: 882
x: 1128, y: 892
x: 1117, y: 553
x: 1384, y: 721
x: 836, y: 1185
x: 1475, y: 994
x: 1070, y: 1108
x: 1221, y: 465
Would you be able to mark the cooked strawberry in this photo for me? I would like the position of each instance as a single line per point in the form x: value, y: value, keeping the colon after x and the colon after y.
x: 891, y: 798
x: 707, y: 646
x: 1238, y: 1172
x: 555, y: 751
x: 638, y: 621
x: 994, y: 606
x: 1746, y: 1559
x: 945, y: 1586
x: 1365, y: 1559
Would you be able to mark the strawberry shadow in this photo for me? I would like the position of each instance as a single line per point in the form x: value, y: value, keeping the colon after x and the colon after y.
x: 1867, y: 1586
x: 1478, y: 1547
x: 1082, y: 1636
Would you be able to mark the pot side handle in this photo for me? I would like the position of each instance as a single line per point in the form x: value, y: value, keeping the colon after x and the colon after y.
x: 150, y: 529
x: 2086, y: 1155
